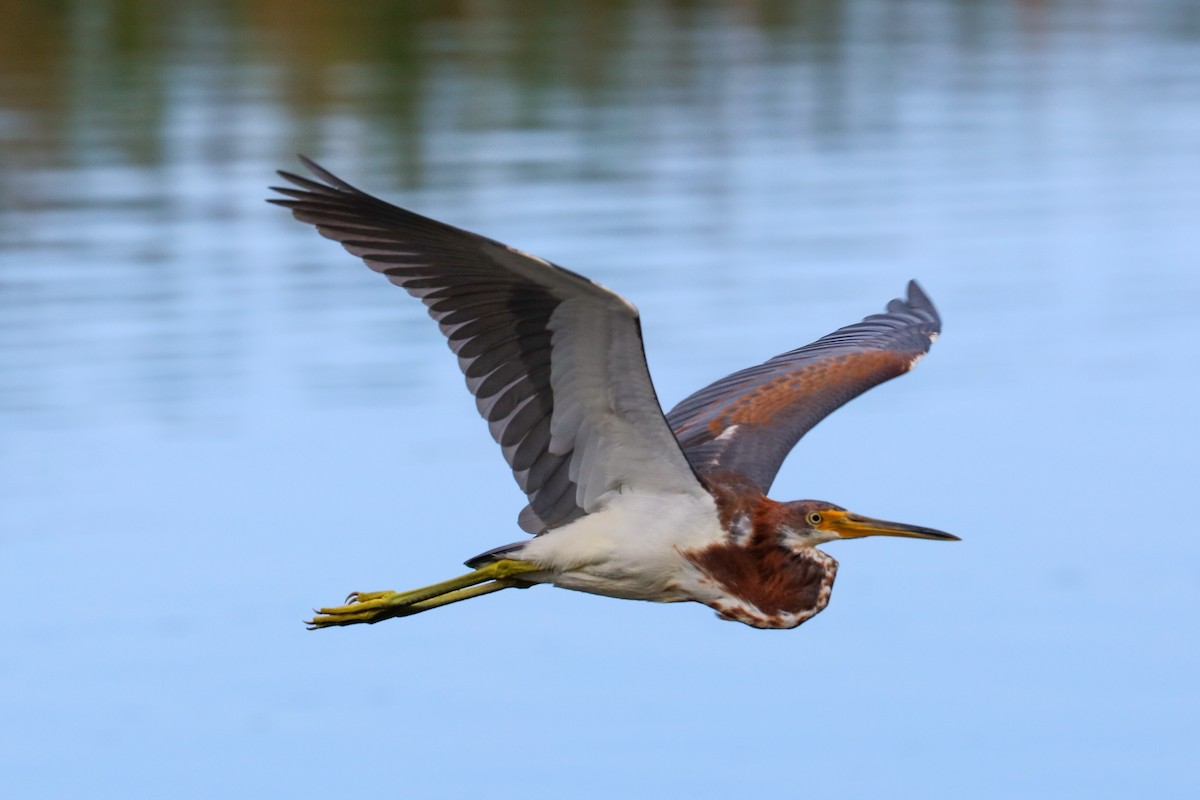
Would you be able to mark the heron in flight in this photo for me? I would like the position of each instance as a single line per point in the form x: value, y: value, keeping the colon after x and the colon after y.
x: 624, y: 500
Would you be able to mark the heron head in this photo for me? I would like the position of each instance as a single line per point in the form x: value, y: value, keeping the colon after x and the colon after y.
x: 815, y: 521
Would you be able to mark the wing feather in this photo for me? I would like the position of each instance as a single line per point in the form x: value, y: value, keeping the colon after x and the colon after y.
x: 555, y: 361
x: 745, y: 424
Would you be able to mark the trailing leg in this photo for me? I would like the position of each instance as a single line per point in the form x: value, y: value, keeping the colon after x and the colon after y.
x: 372, y: 607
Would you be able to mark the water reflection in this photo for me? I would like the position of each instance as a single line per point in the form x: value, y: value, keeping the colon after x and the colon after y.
x: 139, y: 138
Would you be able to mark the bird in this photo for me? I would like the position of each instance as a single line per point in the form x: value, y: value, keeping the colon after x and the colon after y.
x: 624, y: 500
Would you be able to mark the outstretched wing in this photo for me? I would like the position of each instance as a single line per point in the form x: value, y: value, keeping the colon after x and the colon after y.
x: 747, y: 423
x: 554, y: 360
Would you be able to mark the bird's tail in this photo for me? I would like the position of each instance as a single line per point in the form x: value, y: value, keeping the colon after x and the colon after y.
x: 495, y: 554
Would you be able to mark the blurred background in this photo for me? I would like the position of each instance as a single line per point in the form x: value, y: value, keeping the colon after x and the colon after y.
x: 212, y: 420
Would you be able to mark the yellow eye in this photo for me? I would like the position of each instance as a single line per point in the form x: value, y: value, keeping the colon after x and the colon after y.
x: 814, y: 518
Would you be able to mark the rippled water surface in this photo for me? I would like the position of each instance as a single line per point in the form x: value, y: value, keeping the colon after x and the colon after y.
x: 212, y: 420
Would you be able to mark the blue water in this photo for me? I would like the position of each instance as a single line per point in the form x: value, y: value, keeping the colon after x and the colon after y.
x: 211, y: 420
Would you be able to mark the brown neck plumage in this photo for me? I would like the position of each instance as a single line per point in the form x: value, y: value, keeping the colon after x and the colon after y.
x: 766, y: 583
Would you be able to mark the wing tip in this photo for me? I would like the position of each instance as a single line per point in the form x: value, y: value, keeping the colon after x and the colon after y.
x: 329, y: 181
x: 322, y: 173
x: 917, y: 300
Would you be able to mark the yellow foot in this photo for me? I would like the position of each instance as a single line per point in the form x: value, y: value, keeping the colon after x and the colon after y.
x: 372, y: 607
x: 369, y: 607
x: 364, y: 597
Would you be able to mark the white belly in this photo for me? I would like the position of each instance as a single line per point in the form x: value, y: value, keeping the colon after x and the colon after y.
x: 630, y: 548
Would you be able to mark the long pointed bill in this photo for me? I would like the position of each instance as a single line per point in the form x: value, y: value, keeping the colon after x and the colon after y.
x: 853, y: 526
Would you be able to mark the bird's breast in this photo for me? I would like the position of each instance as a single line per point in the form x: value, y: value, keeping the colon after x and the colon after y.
x: 763, y: 584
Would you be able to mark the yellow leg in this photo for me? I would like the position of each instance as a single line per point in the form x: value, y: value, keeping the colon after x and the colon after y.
x: 372, y: 607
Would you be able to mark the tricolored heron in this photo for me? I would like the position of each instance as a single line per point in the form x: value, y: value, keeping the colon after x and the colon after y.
x: 624, y: 501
